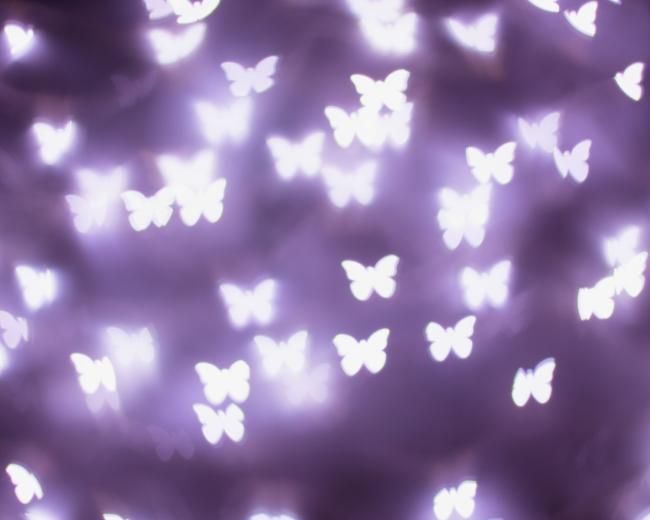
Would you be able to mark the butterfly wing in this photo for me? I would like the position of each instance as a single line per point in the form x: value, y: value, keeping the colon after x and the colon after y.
x: 342, y: 124
x: 284, y: 156
x: 502, y: 169
x: 240, y: 80
x: 562, y: 162
x: 474, y: 288
x: 271, y: 354
x: 351, y: 356
x: 547, y: 5
x: 394, y: 88
x: 384, y: 273
x: 443, y: 504
x: 237, y: 303
x: 140, y: 209
x: 439, y: 341
x: 26, y: 486
x: 461, y: 338
x: 238, y: 385
x: 579, y: 167
x: 214, y: 382
x: 211, y: 423
x: 449, y: 219
x: 361, y: 281
x: 485, y: 31
x: 629, y: 277
x: 263, y: 74
x: 498, y: 283
x: 369, y: 91
x: 262, y: 301
x: 14, y: 329
x: 309, y: 153
x: 84, y: 217
x: 88, y: 372
x: 374, y: 350
x: 294, y: 351
x: 478, y: 162
x: 212, y: 201
x: 629, y: 81
x: 521, y: 388
x: 542, y: 379
x: 158, y: 9
x: 234, y: 422
x: 464, y: 499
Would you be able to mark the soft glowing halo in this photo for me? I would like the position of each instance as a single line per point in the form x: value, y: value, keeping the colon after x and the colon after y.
x: 221, y: 123
x: 19, y: 39
x: 574, y: 162
x: 219, y: 384
x: 214, y: 424
x: 246, y: 306
x: 171, y: 47
x: 489, y: 287
x: 542, y: 134
x: 464, y: 216
x: 459, y: 500
x: 535, y: 383
x: 355, y: 354
x: 245, y: 80
x: 357, y: 186
x: 26, y: 485
x: 54, y: 143
x: 308, y: 386
x: 14, y: 330
x: 292, y: 158
x: 479, y: 36
x: 365, y: 280
x: 39, y: 288
x: 280, y: 356
x: 457, y: 339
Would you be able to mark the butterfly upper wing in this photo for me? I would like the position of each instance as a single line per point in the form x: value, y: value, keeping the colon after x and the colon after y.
x: 263, y: 75
x: 384, y: 273
x: 342, y: 124
x: 361, y: 281
x: 502, y: 167
x: 462, y: 337
x: 547, y: 5
x: 521, y: 388
x: 234, y: 422
x: 374, y: 350
x: 212, y: 424
x: 238, y: 385
x: 239, y: 77
x: 542, y: 379
x: 351, y: 355
x: 26, y: 485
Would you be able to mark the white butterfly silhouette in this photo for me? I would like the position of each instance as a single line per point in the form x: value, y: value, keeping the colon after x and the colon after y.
x: 574, y: 162
x: 551, y: 6
x: 395, y: 36
x: 457, y: 339
x: 355, y: 354
x: 246, y: 306
x: 158, y: 9
x: 171, y: 47
x: 358, y: 186
x: 383, y: 10
x: 221, y: 383
x: 94, y: 374
x: 283, y: 355
x: 293, y: 158
x: 256, y: 79
x: 629, y: 277
x: 112, y: 516
x: 54, y: 143
x: 389, y: 92
x: 543, y: 134
x: 19, y: 38
x: 217, y: 423
x: 497, y: 165
x: 489, y: 287
x: 534, y: 382
x: 479, y: 36
x: 221, y: 123
x: 192, y: 11
x: 459, y: 499
x: 464, y: 216
x: 584, y: 19
x: 597, y: 300
x: 129, y: 348
x: 197, y: 203
x: 307, y: 386
x: 365, y: 125
x: 145, y: 211
x: 39, y: 288
x: 26, y: 485
x: 622, y: 248
x: 194, y: 172
x: 629, y: 81
x: 378, y: 278
x: 14, y: 330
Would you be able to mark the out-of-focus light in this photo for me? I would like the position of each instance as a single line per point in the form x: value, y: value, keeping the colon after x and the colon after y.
x: 158, y: 9
x: 14, y: 329
x: 344, y: 188
x: 219, y: 384
x: 37, y: 513
x: 479, y: 36
x: 130, y: 348
x: 264, y: 516
x: 542, y: 134
x: 39, y: 288
x: 293, y: 158
x: 195, y: 172
x: 171, y: 47
x: 551, y: 6
x: 244, y: 80
x: 193, y: 11
x: 145, y: 211
x: 597, y: 300
x: 282, y: 355
x: 221, y: 123
x: 364, y: 125
x: 217, y: 423
x: 535, y: 383
x: 464, y: 216
x: 629, y: 81
x: 4, y: 360
x: 113, y: 516
x: 19, y: 38
x: 629, y: 277
x: 489, y: 287
x: 364, y: 280
x: 389, y: 92
x: 26, y: 485
x: 355, y: 354
x: 584, y: 19
x: 394, y: 128
x: 383, y: 10
x: 621, y: 248
x: 395, y: 36
x: 250, y: 305
x: 308, y: 386
x: 574, y: 162
x: 94, y: 374
x: 496, y: 165
x: 54, y: 143
x: 456, y: 339
x: 197, y: 203
x: 168, y: 443
x: 459, y: 500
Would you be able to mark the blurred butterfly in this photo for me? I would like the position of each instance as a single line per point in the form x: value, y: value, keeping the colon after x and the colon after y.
x: 597, y: 300
x: 497, y: 165
x: 26, y: 485
x: 551, y: 6
x: 246, y: 306
x: 217, y: 423
x: 378, y: 278
x: 479, y: 36
x: 14, y: 330
x: 145, y: 211
x: 244, y: 80
x: 221, y: 383
x: 489, y: 287
x: 459, y: 499
x: 629, y: 277
x: 53, y: 143
x: 388, y: 92
x: 19, y: 38
x: 130, y: 348
x: 194, y: 172
x: 457, y: 339
x: 307, y: 386
x: 358, y: 186
x: 221, y: 123
x: 132, y: 90
x: 111, y: 516
x: 283, y: 355
x: 4, y: 360
x: 543, y: 134
x: 39, y: 514
x: 293, y: 158
x: 197, y: 203
x: 622, y: 248
x: 355, y: 354
x: 535, y: 383
x: 39, y: 288
x: 629, y: 81
x: 167, y: 443
x: 584, y: 19
x: 94, y: 374
x: 365, y: 125
x: 383, y: 10
x: 574, y: 162
x: 87, y: 213
x: 464, y: 216
x: 395, y: 36
x: 158, y: 9
x: 171, y: 47
x: 191, y: 12
x: 394, y: 128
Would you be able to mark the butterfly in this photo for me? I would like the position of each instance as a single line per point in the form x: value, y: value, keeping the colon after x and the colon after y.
x: 629, y: 277
x: 197, y: 203
x: 629, y: 81
x: 256, y: 79
x: 14, y: 330
x: 221, y: 123
x: 145, y: 211
x: 293, y: 158
x: 358, y: 186
x: 171, y: 47
x: 246, y: 306
x: 364, y: 124
x: 217, y: 423
x: 192, y: 11
x: 479, y: 36
x: 464, y: 216
x: 584, y: 19
x: 457, y: 339
x: 388, y: 92
x: 394, y: 36
x: 39, y: 288
x: 574, y: 162
x: 597, y: 300
x: 19, y: 38
x: 378, y: 278
x: 383, y: 10
x: 112, y: 516
x: 307, y: 386
x: 547, y: 5
x: 221, y: 383
x: 355, y: 354
x: 94, y: 374
x: 459, y: 499
x: 543, y: 134
x: 167, y: 443
x: 195, y: 172
x: 130, y: 348
x: 535, y: 383
x: 26, y: 485
x: 496, y: 165
x: 54, y: 143
x: 489, y: 287
x: 283, y: 355
x: 394, y: 128
x: 622, y: 248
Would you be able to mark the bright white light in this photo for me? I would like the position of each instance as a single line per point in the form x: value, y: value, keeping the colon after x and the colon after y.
x: 464, y: 216
x: 355, y: 354
x: 629, y: 81
x: 383, y: 10
x: 344, y: 188
x: 457, y: 339
x: 19, y: 38
x: 158, y: 9
x: 364, y: 280
x: 479, y: 36
x: 629, y: 277
x: 4, y: 359
x: 217, y: 423
x: 221, y: 123
x: 36, y: 513
x: 130, y: 348
x: 94, y: 373
x: 459, y: 500
x: 395, y: 36
x: 244, y: 80
x: 54, y: 143
x: 489, y: 287
x: 246, y: 306
x: 497, y: 165
x: 112, y: 516
x: 584, y: 19
x: 389, y: 92
x: 547, y: 5
x: 193, y: 11
x: 39, y: 288
x: 293, y: 158
x: 283, y: 355
x: 206, y: 203
x: 574, y: 162
x: 622, y: 247
x: 171, y: 47
x: 394, y: 128
x: 534, y: 382
x: 597, y: 300
x: 14, y: 330
x: 195, y: 172
x: 264, y: 516
x: 145, y: 211
x: 542, y: 134
x: 26, y: 485
x: 365, y: 125
x: 308, y: 386
x: 219, y: 384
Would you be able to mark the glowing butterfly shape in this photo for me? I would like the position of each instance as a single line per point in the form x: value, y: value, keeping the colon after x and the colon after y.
x: 244, y: 80
x: 358, y: 186
x: 479, y: 36
x: 39, y: 288
x: 459, y: 500
x: 378, y: 278
x: 192, y: 12
x: 629, y: 277
x: 167, y: 443
x: 130, y: 348
x: 629, y: 81
x: 87, y: 214
x: 597, y: 300
x: 307, y: 386
x: 14, y: 330
x: 206, y: 203
x: 26, y: 485
x: 389, y: 92
x: 221, y: 123
x: 171, y: 47
x: 574, y: 162
x: 94, y: 374
x: 158, y: 9
x: 584, y: 19
x: 395, y: 36
x: 145, y: 211
x: 365, y: 125
x: 246, y: 306
x: 543, y: 134
x: 535, y: 383
x: 394, y: 128
x: 219, y: 384
x: 383, y: 10
x: 355, y: 354
x: 293, y: 158
x: 217, y: 423
x: 283, y: 355
x: 622, y: 248
x: 195, y: 172
x: 112, y: 516
x: 54, y: 143
x: 457, y: 339
x: 264, y: 516
x: 489, y: 287
x: 497, y: 165
x: 551, y: 6
x: 464, y: 216
x: 19, y: 38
